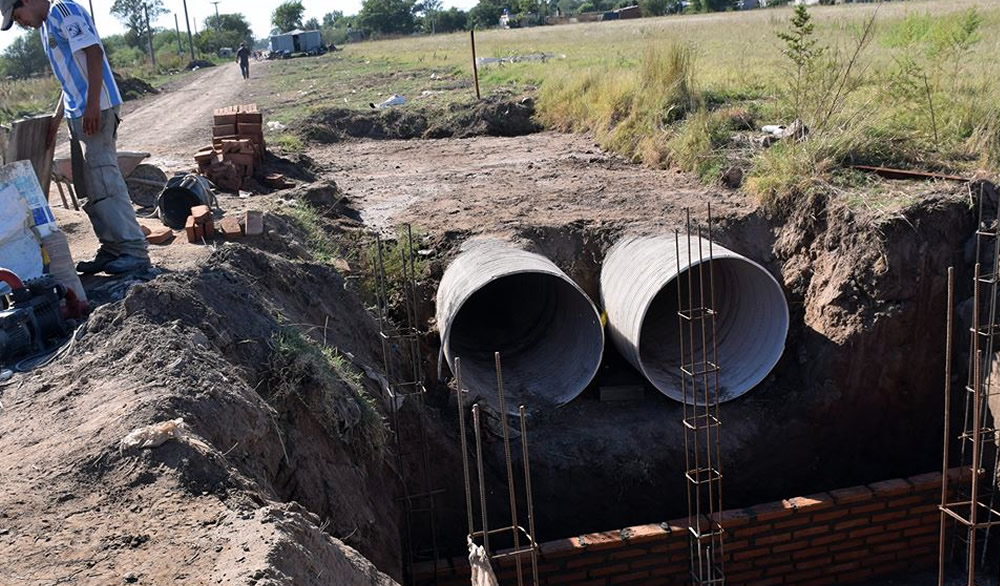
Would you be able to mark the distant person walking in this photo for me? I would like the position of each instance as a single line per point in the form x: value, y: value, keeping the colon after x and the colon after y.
x: 243, y: 57
x: 91, y: 101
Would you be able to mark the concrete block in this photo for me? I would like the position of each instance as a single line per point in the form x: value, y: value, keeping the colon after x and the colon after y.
x: 253, y: 223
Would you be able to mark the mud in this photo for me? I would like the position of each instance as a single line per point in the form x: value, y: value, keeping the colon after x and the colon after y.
x: 133, y: 88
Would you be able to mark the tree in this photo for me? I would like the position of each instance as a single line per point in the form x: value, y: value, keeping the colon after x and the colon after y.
x: 387, y: 16
x: 132, y: 15
x: 311, y: 25
x: 428, y: 11
x: 654, y: 7
x: 451, y: 20
x: 288, y: 16
x: 331, y: 19
x: 487, y: 13
x: 24, y: 57
x: 713, y: 5
x: 226, y: 30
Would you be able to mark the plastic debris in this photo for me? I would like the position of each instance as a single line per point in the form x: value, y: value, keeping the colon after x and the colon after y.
x: 275, y: 125
x: 479, y: 562
x: 153, y: 436
x: 393, y: 100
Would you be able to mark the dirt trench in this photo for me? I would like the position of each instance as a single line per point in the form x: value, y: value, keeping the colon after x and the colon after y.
x: 266, y: 487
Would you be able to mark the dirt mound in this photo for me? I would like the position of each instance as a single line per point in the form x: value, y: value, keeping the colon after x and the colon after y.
x: 280, y: 472
x: 489, y: 117
x: 133, y: 88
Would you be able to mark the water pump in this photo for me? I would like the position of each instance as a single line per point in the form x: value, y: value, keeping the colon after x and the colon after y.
x: 32, y: 315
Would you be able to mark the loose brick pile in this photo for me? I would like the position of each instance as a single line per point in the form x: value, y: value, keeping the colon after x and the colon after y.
x: 200, y: 225
x: 837, y: 537
x: 238, y: 148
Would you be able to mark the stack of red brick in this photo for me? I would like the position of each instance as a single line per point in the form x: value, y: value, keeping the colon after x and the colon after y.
x: 200, y: 225
x: 237, y: 151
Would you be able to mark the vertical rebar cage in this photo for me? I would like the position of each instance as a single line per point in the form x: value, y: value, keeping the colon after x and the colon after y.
x: 699, y: 374
x: 402, y: 362
x: 969, y: 499
x: 517, y: 543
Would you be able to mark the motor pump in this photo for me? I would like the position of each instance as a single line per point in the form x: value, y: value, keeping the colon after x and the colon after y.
x: 32, y: 314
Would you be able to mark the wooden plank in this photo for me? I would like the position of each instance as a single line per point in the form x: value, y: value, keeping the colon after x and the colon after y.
x: 890, y: 173
x: 26, y: 141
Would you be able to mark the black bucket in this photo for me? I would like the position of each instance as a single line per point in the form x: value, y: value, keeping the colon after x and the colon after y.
x: 182, y: 193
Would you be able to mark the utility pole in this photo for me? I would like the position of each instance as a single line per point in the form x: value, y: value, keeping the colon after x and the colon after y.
x: 149, y: 29
x: 217, y: 24
x: 177, y: 27
x: 187, y: 22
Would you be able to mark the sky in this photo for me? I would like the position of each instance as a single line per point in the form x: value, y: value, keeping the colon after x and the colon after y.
x: 257, y: 12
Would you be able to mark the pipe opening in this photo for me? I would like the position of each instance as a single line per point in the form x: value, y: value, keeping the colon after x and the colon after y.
x: 547, y: 332
x: 750, y: 334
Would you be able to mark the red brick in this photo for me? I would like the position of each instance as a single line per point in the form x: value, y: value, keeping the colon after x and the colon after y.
x: 798, y: 520
x: 856, y: 576
x: 643, y: 533
x: 807, y: 577
x: 628, y: 554
x: 889, y: 547
x: 201, y: 214
x: 772, y: 539
x: 630, y: 577
x: 827, y: 539
x: 850, y: 524
x: 924, y: 509
x: 743, y: 577
x: 752, y: 553
x: 841, y: 568
x: 884, y: 537
x: 779, y: 570
x: 733, y: 518
x: 849, y: 544
x: 925, y: 540
x: 160, y: 235
x: 559, y: 546
x: 769, y: 581
x: 929, y: 481
x: 816, y: 563
x: 771, y: 511
x: 809, y: 553
x: 877, y: 561
x: 922, y: 530
x: 751, y: 530
x: 818, y: 530
x: 867, y: 508
x: 852, y: 555
x: 855, y: 494
x: 585, y: 560
x: 608, y: 570
x: 866, y: 532
x: 829, y: 515
x: 890, y: 516
x: 230, y: 227
x: 894, y: 487
x: 790, y: 546
x: 566, y: 578
x: 908, y: 501
x: 903, y: 524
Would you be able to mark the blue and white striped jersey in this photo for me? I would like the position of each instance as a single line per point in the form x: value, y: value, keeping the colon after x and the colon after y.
x: 66, y: 32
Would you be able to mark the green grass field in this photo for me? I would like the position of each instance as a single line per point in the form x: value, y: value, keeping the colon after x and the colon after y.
x: 909, y: 84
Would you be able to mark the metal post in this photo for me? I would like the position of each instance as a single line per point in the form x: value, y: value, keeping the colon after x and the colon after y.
x: 149, y: 29
x: 187, y: 22
x: 177, y: 27
x: 218, y: 25
x: 947, y: 423
x: 475, y: 67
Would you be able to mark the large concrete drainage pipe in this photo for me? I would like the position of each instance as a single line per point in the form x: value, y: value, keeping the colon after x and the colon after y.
x: 639, y: 293
x: 496, y: 298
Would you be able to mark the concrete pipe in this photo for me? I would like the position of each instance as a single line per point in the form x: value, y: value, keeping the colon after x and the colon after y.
x: 639, y: 291
x: 496, y: 298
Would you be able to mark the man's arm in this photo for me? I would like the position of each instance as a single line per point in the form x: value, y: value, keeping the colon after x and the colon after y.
x: 95, y: 84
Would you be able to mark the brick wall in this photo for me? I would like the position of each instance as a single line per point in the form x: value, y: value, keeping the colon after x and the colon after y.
x: 837, y: 537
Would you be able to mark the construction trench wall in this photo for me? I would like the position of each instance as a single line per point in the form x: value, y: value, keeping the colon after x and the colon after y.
x: 838, y: 537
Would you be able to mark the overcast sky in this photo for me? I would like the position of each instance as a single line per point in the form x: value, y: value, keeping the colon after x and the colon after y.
x: 257, y: 12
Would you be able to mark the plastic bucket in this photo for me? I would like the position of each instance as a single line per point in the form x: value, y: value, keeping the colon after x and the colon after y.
x: 182, y: 193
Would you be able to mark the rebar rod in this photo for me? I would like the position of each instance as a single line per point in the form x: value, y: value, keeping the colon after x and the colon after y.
x: 482, y: 484
x: 462, y: 435
x: 947, y: 422
x: 528, y: 497
x: 510, y: 465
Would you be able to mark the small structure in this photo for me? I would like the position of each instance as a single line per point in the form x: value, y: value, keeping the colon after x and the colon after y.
x: 298, y: 41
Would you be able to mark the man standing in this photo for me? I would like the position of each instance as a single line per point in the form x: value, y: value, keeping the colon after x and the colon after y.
x: 91, y: 102
x: 243, y: 56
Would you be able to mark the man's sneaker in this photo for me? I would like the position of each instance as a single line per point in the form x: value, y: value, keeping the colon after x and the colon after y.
x: 92, y: 267
x: 126, y: 263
